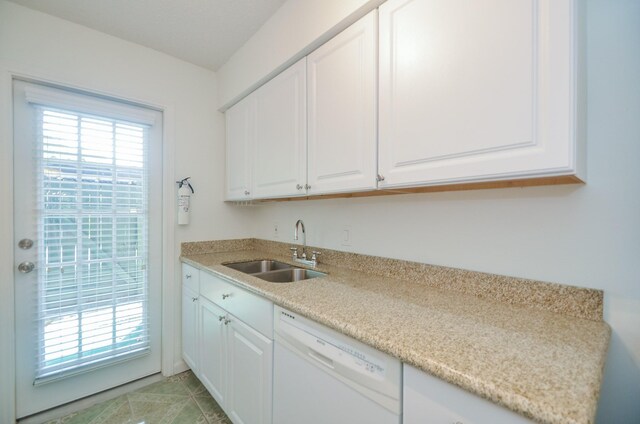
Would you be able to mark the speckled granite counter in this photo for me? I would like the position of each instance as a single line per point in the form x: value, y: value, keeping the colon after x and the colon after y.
x: 545, y: 365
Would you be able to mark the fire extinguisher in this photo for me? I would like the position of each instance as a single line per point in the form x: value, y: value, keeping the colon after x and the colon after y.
x: 184, y: 198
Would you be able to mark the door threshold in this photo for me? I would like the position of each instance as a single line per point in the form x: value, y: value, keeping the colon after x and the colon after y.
x: 86, y: 402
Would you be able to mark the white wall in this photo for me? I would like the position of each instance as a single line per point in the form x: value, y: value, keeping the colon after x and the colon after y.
x: 581, y: 235
x: 296, y: 28
x: 47, y: 48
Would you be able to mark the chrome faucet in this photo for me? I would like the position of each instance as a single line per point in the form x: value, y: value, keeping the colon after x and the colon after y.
x: 304, y: 238
x: 303, y: 257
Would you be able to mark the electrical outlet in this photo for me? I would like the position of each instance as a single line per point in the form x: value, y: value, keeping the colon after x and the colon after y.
x: 346, y: 235
x: 276, y: 233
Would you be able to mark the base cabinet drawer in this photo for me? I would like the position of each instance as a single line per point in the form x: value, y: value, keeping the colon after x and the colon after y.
x: 252, y: 309
x: 429, y: 400
x: 191, y: 277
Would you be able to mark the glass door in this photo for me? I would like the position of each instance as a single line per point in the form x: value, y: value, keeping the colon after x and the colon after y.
x: 88, y: 244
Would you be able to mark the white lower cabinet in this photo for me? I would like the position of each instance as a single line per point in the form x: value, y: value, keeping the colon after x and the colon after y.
x: 429, y: 400
x: 189, y: 327
x: 249, y: 369
x: 213, y: 349
x: 190, y: 294
x: 228, y: 343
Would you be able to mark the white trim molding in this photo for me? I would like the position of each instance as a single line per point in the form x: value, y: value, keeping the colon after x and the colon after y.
x: 7, y: 306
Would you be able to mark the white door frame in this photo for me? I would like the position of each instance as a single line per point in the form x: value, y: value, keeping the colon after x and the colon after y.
x: 7, y: 266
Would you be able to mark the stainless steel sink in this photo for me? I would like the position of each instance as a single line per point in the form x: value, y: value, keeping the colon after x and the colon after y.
x: 289, y: 275
x: 253, y: 267
x: 274, y: 271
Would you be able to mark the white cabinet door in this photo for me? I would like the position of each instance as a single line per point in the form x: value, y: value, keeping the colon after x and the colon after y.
x: 250, y: 360
x: 476, y: 90
x: 341, y: 88
x: 190, y: 328
x: 280, y: 153
x: 427, y: 399
x: 240, y: 141
x: 212, y: 340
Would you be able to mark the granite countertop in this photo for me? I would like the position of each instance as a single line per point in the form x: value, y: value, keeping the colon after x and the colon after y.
x: 544, y: 365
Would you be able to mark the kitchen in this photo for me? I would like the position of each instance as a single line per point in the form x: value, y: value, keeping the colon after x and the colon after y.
x: 580, y: 235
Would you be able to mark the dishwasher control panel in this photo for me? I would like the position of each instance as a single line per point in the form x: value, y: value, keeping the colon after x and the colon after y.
x: 340, y: 351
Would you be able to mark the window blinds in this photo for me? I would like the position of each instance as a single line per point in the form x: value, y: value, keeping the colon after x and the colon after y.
x: 92, y: 206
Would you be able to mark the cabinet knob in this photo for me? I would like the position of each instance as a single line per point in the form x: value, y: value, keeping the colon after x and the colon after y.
x: 247, y: 192
x: 380, y: 177
x: 299, y: 186
x: 225, y: 295
x: 193, y: 299
x: 220, y: 317
x: 307, y: 186
x: 227, y: 321
x: 187, y: 276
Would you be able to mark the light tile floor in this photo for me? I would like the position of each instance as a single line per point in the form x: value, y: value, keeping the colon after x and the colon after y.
x: 180, y: 399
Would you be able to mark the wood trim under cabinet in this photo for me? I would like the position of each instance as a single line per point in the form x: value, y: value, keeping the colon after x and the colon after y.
x: 526, y: 182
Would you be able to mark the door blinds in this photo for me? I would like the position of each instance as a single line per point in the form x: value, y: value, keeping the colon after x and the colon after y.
x: 92, y: 226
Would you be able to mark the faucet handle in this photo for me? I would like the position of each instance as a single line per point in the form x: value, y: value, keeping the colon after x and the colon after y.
x: 315, y: 254
x: 295, y: 251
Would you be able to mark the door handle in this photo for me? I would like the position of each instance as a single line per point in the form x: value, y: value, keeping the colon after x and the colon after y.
x: 327, y: 362
x: 26, y: 267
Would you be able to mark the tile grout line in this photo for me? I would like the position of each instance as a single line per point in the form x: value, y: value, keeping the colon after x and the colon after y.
x: 129, y: 404
x: 192, y: 396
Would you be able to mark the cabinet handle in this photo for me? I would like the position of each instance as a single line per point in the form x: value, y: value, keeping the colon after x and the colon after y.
x: 307, y: 186
x: 380, y: 177
x: 227, y: 321
x: 246, y: 192
x: 193, y: 299
x: 220, y: 317
x: 299, y: 186
x: 187, y: 276
x: 225, y: 295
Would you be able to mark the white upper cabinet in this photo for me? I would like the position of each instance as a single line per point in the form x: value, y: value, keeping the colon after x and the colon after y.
x: 341, y: 87
x: 477, y: 91
x: 280, y: 151
x: 240, y: 141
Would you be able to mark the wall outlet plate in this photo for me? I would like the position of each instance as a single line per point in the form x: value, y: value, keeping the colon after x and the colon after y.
x: 346, y: 235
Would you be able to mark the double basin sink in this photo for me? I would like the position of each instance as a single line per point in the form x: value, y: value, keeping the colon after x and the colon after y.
x: 274, y: 271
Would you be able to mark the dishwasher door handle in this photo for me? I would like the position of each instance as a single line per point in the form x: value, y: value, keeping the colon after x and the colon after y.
x: 327, y: 362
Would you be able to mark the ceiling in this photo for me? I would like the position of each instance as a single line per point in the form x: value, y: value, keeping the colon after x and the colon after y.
x: 203, y: 32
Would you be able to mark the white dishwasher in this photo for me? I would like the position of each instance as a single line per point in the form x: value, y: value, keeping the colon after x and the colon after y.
x: 323, y: 377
